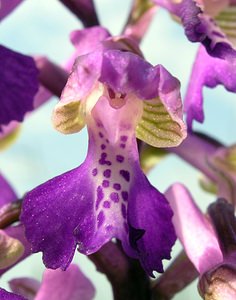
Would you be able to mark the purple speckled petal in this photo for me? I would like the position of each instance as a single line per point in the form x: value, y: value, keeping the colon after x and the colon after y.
x: 6, y: 7
x: 4, y: 295
x: 18, y: 85
x: 193, y: 229
x: 64, y: 285
x: 152, y: 234
x: 88, y: 206
x: 60, y: 205
x: 7, y: 194
x: 207, y: 71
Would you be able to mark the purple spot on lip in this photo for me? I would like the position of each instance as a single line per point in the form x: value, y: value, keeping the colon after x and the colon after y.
x: 100, y: 196
x: 126, y: 227
x: 120, y: 158
x: 105, y: 183
x: 122, y: 146
x: 103, y: 146
x: 109, y: 227
x: 125, y: 195
x: 95, y: 171
x: 101, y: 135
x: 100, y: 193
x: 114, y: 197
x: 106, y: 204
x: 107, y: 173
x: 107, y: 141
x: 100, y: 218
x: 117, y: 186
x: 99, y: 124
x: 123, y: 138
x: 103, y: 161
x: 125, y: 174
x: 123, y: 211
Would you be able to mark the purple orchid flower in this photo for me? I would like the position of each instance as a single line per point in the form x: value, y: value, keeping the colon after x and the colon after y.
x: 119, y: 96
x: 193, y: 229
x: 210, y: 72
x: 70, y: 284
x: 208, y: 242
x: 198, y: 18
x: 18, y: 85
x: 212, y: 23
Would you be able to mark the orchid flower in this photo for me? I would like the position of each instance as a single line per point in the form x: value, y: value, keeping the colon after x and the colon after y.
x: 193, y: 229
x: 212, y: 23
x: 208, y: 242
x: 119, y: 96
x: 70, y: 284
x: 202, y: 21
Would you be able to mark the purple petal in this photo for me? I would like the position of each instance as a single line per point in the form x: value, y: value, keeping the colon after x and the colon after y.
x: 193, y: 229
x: 4, y: 295
x: 126, y: 73
x: 88, y: 206
x: 60, y: 205
x: 18, y: 85
x: 199, y: 27
x: 170, y: 5
x: 26, y: 287
x: 7, y: 194
x: 7, y: 7
x: 87, y: 40
x: 207, y: 71
x: 152, y: 234
x: 70, y: 284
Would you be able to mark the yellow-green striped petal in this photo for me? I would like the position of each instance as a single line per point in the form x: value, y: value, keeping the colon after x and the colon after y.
x: 226, y: 20
x: 70, y: 117
x: 159, y: 127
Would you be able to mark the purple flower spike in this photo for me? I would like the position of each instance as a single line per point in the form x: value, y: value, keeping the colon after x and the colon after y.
x: 119, y: 96
x: 18, y: 85
x: 207, y: 71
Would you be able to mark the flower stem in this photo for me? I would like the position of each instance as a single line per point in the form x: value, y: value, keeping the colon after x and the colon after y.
x: 84, y: 10
x: 128, y: 279
x: 139, y: 19
x: 178, y: 275
x: 196, y: 149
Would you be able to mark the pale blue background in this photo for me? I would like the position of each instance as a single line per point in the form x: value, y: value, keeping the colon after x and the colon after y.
x: 42, y: 27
